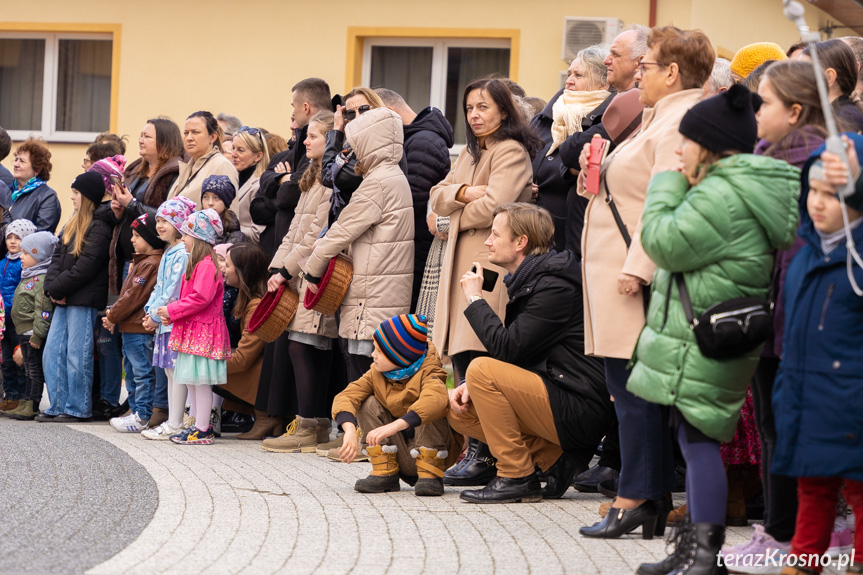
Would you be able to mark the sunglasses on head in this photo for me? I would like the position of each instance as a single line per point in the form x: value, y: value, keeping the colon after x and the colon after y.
x: 251, y: 131
x: 351, y: 114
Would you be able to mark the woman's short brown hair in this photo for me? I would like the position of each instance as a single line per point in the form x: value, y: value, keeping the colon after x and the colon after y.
x: 40, y: 157
x: 689, y: 49
x: 532, y: 221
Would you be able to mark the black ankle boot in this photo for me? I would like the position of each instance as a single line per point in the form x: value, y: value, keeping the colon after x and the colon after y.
x: 682, y: 539
x: 506, y: 490
x: 478, y: 470
x: 621, y: 521
x: 701, y: 555
x: 559, y: 476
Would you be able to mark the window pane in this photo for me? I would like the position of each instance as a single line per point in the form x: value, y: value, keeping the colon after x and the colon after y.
x: 22, y: 68
x: 463, y: 66
x: 84, y: 86
x: 404, y: 69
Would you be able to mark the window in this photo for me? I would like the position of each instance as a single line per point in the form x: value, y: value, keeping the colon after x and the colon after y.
x: 433, y: 72
x: 57, y: 86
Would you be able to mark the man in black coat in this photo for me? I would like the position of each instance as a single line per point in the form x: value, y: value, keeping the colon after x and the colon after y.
x: 428, y: 138
x: 537, y: 400
x: 273, y: 205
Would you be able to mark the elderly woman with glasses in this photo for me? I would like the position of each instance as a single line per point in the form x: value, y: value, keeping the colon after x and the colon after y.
x: 250, y: 156
x: 339, y: 164
x: 616, y: 271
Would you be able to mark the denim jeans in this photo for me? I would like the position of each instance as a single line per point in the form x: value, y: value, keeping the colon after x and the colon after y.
x: 69, y: 364
x: 160, y: 400
x: 14, y: 379
x: 140, y: 376
x: 110, y: 365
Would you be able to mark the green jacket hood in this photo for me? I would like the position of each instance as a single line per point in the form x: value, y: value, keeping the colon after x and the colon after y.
x: 772, y: 189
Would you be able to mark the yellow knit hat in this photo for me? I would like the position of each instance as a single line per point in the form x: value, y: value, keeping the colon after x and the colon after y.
x: 750, y: 57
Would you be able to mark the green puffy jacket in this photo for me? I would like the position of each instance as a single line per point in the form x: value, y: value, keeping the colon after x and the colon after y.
x: 722, y: 234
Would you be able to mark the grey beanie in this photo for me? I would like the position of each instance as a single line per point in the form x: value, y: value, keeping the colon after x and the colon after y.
x: 40, y: 245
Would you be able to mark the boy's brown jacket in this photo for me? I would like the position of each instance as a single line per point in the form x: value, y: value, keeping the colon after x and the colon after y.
x: 128, y: 311
x: 421, y: 399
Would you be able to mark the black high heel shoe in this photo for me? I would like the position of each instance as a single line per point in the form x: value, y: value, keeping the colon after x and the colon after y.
x: 621, y: 521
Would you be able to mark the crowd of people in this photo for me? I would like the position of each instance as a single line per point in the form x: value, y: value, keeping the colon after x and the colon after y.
x: 654, y: 266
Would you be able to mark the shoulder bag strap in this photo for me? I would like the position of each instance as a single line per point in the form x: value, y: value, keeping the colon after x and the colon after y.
x: 192, y: 177
x: 614, y: 212
x: 684, y: 299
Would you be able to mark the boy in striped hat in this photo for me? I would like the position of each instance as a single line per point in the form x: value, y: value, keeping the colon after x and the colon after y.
x: 402, y: 403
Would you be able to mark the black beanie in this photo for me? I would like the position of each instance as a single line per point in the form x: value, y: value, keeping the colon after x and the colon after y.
x: 145, y: 226
x: 91, y: 186
x: 725, y: 122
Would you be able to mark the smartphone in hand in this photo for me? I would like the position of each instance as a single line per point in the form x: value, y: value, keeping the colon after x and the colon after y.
x: 598, y: 149
x: 489, y: 278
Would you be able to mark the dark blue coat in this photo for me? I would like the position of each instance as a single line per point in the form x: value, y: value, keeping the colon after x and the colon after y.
x: 11, y: 276
x: 818, y: 393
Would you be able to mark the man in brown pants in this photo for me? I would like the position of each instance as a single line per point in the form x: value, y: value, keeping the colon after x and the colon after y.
x: 537, y: 400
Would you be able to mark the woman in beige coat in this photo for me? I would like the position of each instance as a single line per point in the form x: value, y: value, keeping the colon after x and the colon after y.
x: 615, y: 272
x: 492, y: 170
x: 376, y: 228
x: 310, y: 334
x: 202, y: 138
x: 250, y: 157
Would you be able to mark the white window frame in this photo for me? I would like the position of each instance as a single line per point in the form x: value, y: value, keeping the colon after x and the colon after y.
x: 48, y: 130
x: 437, y: 97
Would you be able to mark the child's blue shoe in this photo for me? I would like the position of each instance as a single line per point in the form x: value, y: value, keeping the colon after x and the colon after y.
x: 194, y: 436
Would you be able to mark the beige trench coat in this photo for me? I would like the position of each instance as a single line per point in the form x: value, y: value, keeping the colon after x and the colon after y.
x: 612, y: 322
x: 241, y: 204
x: 504, y: 168
x: 377, y: 225
x: 192, y: 175
x: 310, y: 216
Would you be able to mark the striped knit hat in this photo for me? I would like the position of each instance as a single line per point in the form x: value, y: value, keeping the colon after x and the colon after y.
x: 402, y: 338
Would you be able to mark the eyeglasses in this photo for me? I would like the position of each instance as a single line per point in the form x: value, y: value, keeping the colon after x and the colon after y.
x: 351, y: 114
x: 641, y: 65
x: 251, y: 131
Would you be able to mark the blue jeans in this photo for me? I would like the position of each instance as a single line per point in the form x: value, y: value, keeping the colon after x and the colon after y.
x: 14, y: 378
x: 110, y: 365
x: 161, y: 398
x: 646, y: 448
x: 68, y: 366
x: 140, y: 376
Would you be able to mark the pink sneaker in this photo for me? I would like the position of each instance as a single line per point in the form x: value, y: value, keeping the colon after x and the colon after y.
x: 841, y: 543
x: 761, y: 554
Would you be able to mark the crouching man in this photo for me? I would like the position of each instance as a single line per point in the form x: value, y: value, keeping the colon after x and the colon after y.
x: 537, y: 400
x: 401, y: 404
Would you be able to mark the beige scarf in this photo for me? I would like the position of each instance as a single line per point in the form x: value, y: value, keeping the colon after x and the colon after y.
x: 568, y: 112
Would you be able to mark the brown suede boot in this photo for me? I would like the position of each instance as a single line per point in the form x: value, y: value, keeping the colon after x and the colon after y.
x: 160, y: 416
x: 604, y: 507
x: 8, y: 404
x: 677, y: 515
x: 301, y: 436
x: 265, y: 426
x: 735, y: 508
x: 430, y: 470
x: 385, y: 470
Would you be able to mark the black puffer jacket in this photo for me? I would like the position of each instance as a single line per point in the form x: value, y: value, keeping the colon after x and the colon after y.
x: 274, y: 204
x: 41, y: 206
x: 83, y: 280
x: 568, y: 154
x: 427, y: 142
x: 544, y: 333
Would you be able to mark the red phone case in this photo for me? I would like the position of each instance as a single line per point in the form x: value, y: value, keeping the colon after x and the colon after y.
x: 594, y: 161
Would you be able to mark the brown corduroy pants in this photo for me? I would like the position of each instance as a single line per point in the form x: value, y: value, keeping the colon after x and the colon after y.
x: 509, y: 410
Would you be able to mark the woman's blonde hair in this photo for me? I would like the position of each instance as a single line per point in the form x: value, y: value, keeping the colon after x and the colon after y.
x: 369, y: 94
x: 76, y: 228
x: 257, y: 144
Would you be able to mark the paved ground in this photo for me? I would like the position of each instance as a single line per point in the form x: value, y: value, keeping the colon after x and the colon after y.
x: 233, y: 508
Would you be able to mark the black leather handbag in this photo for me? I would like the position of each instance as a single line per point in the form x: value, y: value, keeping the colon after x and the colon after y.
x: 730, y: 328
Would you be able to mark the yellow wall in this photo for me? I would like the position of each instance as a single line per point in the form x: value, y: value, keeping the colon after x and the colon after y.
x: 243, y: 57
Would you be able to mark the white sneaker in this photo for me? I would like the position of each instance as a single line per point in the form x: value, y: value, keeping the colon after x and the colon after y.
x: 162, y: 432
x: 129, y: 424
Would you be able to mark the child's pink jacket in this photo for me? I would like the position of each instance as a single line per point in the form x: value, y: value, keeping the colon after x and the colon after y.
x: 199, y: 322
